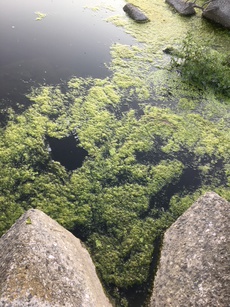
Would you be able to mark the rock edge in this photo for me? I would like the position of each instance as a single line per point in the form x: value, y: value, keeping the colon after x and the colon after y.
x: 44, y: 265
x: 194, y: 267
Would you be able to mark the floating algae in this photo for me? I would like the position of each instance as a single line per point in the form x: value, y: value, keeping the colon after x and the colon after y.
x: 40, y: 16
x: 108, y: 196
x: 133, y: 157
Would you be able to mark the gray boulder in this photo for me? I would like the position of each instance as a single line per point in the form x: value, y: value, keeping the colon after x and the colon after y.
x: 182, y: 7
x: 194, y: 267
x: 219, y: 12
x: 135, y: 13
x: 44, y: 265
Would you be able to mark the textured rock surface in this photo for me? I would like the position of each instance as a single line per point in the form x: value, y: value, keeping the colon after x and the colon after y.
x: 194, y: 266
x: 44, y: 265
x: 184, y: 8
x: 135, y: 13
x: 219, y: 12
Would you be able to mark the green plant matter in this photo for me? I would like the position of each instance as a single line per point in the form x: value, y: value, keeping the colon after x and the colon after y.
x: 109, y: 199
x: 143, y: 129
x: 202, y: 65
x: 40, y: 16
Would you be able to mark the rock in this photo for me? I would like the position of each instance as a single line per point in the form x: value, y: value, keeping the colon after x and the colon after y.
x: 182, y: 7
x: 44, y: 265
x: 194, y: 267
x: 135, y: 13
x: 219, y: 12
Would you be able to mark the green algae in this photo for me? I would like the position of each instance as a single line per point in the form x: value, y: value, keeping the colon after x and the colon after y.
x: 94, y: 9
x: 135, y: 152
x: 201, y: 65
x: 101, y: 7
x: 40, y: 16
x: 113, y: 188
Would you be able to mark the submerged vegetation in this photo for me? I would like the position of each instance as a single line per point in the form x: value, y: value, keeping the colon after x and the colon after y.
x: 115, y: 201
x: 155, y: 143
x: 202, y: 65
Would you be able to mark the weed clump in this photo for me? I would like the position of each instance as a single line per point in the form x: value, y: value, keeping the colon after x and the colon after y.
x: 201, y: 64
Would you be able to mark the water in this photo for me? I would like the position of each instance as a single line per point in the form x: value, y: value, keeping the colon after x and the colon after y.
x: 74, y: 40
x: 70, y: 40
x: 67, y: 151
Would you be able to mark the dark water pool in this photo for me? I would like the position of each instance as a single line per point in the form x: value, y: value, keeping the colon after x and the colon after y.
x: 71, y: 40
x: 67, y: 151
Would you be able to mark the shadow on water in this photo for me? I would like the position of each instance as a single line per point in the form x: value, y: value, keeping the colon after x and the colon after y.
x: 140, y: 296
x: 191, y: 179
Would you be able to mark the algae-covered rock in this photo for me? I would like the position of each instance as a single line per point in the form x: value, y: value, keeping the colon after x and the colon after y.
x: 184, y: 8
x: 195, y: 259
x: 42, y: 264
x: 135, y: 13
x: 219, y: 12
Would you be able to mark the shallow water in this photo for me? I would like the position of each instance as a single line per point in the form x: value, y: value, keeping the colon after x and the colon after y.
x: 70, y: 40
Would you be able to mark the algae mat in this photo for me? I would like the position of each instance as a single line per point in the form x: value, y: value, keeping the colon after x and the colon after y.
x: 155, y: 143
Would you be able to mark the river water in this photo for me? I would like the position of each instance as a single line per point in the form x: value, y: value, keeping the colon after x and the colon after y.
x: 72, y: 39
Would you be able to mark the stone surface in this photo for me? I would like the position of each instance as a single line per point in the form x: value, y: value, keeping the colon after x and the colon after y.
x: 219, y: 12
x: 194, y: 267
x: 135, y: 13
x: 44, y: 265
x: 184, y: 8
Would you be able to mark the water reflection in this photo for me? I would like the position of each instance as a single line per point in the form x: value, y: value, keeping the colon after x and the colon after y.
x: 70, y: 40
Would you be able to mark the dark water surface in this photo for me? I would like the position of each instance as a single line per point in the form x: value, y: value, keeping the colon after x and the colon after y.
x: 70, y: 40
x: 67, y: 151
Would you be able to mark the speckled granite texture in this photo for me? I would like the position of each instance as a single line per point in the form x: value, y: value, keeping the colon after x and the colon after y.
x: 194, y: 269
x: 44, y: 265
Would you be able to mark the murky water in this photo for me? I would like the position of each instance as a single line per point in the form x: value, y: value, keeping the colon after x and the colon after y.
x: 70, y: 40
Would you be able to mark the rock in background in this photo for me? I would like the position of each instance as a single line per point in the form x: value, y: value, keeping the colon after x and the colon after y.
x: 42, y: 264
x: 219, y: 12
x: 194, y: 267
x: 135, y: 13
x: 184, y: 8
